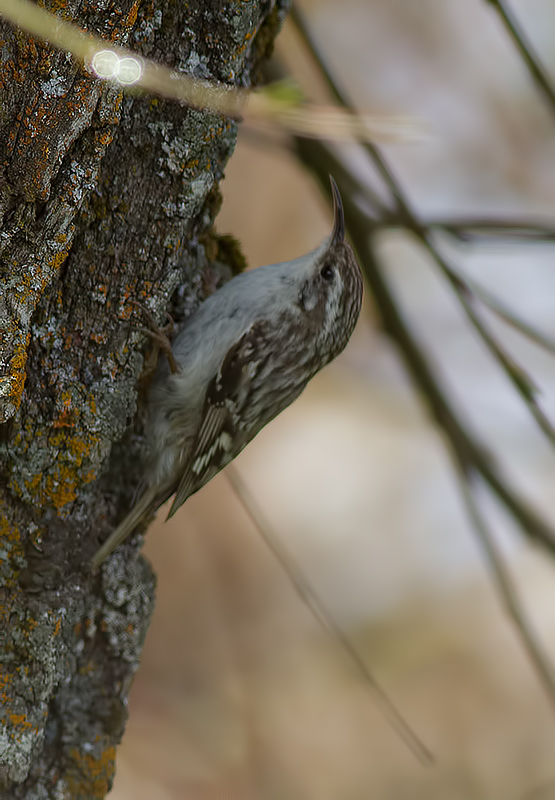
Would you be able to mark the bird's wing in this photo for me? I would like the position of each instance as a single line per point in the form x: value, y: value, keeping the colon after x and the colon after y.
x: 218, y: 441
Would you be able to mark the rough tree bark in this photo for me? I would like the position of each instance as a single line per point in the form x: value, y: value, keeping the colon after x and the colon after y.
x: 104, y: 199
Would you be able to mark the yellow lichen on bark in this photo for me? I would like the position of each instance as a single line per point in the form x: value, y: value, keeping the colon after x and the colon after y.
x: 88, y: 776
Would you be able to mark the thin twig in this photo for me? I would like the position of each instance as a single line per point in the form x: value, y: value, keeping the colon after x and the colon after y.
x: 520, y: 380
x: 468, y: 455
x: 310, y: 598
x: 409, y: 220
x: 509, y: 316
x: 322, y: 160
x: 505, y: 586
x: 532, y: 61
x: 515, y: 229
x: 268, y: 106
x: 404, y: 215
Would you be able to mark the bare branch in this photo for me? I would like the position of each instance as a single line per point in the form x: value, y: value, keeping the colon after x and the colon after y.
x: 310, y: 598
x: 487, y: 229
x: 506, y: 588
x: 526, y: 51
x: 269, y: 106
x: 508, y: 315
x: 322, y: 160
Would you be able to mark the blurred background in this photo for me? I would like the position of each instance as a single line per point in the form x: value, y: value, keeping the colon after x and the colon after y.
x: 241, y: 695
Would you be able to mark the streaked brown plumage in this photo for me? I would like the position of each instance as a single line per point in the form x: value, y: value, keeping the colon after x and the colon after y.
x: 244, y: 356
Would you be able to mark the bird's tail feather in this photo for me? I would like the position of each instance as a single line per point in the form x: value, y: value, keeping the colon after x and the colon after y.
x: 147, y: 505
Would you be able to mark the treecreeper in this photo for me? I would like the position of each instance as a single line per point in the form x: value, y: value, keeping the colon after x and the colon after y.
x: 239, y: 360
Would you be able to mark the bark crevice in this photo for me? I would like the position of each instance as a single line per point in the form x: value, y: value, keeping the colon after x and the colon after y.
x: 104, y: 199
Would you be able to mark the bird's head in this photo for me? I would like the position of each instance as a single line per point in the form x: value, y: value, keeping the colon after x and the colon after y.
x: 331, y: 288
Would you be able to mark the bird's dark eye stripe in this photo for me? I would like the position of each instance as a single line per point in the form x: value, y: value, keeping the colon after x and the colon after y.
x: 327, y: 272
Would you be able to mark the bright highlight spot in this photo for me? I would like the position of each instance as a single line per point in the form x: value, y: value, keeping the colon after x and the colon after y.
x: 129, y: 70
x: 109, y: 66
x: 105, y: 63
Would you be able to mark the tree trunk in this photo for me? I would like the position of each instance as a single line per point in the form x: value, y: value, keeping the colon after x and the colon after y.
x: 104, y: 199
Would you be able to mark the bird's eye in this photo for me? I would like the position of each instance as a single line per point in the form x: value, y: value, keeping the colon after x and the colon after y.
x: 327, y: 272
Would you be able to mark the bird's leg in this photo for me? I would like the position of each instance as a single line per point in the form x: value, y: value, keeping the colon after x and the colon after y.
x: 161, y: 339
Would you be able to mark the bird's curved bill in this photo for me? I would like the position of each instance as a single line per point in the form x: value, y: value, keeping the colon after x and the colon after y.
x: 338, y: 233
